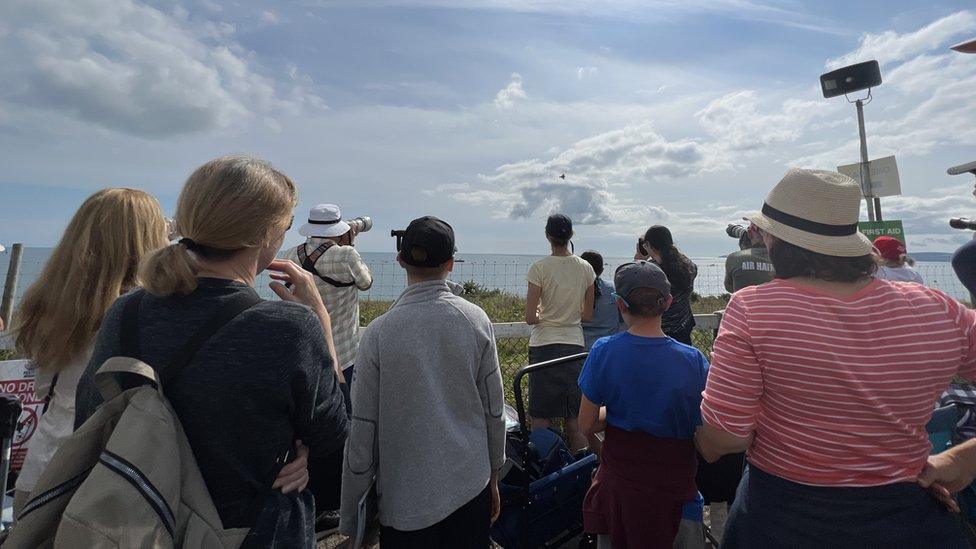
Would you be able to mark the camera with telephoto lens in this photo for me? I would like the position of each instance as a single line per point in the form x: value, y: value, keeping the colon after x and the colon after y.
x: 361, y: 224
x: 736, y: 231
x: 962, y: 223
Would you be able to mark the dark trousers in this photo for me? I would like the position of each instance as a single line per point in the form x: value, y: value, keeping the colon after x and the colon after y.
x: 718, y: 481
x: 770, y: 511
x: 325, y: 474
x: 466, y: 528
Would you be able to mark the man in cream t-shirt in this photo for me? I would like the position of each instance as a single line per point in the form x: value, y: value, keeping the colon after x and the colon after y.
x: 560, y: 297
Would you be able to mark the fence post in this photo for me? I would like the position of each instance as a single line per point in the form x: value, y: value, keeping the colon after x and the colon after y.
x: 10, y: 286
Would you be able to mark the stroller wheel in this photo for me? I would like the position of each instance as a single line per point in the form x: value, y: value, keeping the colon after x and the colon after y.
x: 588, y: 541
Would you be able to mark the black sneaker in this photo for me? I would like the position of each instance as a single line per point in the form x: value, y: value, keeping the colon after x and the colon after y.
x: 327, y: 521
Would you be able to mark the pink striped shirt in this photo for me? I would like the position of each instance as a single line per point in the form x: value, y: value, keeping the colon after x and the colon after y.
x: 837, y: 389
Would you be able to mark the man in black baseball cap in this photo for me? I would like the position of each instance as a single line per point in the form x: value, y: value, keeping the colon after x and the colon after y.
x: 440, y: 368
x: 427, y: 243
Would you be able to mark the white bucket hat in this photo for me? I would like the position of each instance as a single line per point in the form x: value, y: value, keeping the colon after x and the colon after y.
x: 816, y: 210
x: 324, y: 221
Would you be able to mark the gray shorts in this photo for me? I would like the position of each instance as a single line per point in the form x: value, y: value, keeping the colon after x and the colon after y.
x: 555, y: 392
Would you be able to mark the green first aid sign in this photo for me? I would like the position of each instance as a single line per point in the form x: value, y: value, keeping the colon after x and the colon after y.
x: 874, y: 229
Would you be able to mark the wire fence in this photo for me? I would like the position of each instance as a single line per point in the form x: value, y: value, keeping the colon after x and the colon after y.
x: 504, y: 273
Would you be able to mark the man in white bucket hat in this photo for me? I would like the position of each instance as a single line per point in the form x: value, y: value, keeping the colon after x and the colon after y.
x: 340, y: 273
x: 828, y: 376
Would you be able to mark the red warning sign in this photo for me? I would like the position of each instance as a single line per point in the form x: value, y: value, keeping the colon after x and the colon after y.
x: 17, y: 379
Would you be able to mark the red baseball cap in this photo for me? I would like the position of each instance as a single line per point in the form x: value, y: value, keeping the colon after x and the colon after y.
x: 890, y: 248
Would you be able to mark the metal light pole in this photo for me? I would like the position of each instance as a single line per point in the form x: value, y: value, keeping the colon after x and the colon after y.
x: 874, y: 205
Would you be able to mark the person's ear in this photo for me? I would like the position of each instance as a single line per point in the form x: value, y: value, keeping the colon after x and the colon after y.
x: 668, y: 302
x: 621, y: 307
x: 449, y: 266
x: 400, y: 259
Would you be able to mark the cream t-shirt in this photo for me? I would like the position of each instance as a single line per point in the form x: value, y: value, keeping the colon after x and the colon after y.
x: 57, y: 423
x: 564, y: 281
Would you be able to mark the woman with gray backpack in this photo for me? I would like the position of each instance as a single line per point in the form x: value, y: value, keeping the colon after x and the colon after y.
x: 245, y: 378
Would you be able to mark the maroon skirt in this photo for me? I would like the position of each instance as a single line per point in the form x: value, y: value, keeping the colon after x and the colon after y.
x: 640, y: 489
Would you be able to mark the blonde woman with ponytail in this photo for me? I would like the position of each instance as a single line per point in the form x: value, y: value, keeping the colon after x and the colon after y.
x: 94, y: 263
x: 266, y: 378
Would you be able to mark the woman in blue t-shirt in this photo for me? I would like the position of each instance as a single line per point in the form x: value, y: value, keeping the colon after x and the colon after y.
x: 606, y: 318
x: 643, y: 390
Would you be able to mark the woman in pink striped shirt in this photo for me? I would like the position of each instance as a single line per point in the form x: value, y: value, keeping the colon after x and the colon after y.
x: 827, y: 376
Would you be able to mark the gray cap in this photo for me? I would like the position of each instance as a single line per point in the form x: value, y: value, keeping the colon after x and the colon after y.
x: 640, y: 274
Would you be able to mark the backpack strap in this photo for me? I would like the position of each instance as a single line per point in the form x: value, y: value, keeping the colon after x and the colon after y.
x: 129, y: 331
x: 308, y: 263
x: 237, y: 305
x: 184, y: 355
x: 119, y: 373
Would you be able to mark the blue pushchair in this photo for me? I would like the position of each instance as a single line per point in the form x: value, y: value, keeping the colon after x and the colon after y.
x: 542, y: 484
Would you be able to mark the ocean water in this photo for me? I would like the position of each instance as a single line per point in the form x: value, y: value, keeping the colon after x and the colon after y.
x: 501, y: 271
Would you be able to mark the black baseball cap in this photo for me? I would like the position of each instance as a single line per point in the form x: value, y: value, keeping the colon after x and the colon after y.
x: 559, y: 226
x: 433, y: 237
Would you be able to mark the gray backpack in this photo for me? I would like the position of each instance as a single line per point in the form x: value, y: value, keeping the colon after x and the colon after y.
x: 127, y: 477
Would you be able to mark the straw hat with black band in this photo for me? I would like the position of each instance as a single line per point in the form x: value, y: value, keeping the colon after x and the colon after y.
x: 816, y: 210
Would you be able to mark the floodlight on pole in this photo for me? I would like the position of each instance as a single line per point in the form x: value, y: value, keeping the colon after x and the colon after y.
x: 968, y: 46
x: 850, y: 79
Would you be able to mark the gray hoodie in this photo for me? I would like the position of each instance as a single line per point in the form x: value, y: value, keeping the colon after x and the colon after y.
x: 428, y: 419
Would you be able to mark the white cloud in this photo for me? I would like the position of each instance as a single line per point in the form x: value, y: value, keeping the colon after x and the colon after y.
x: 890, y: 46
x: 736, y: 121
x: 133, y: 68
x: 270, y: 17
x: 775, y: 13
x: 510, y: 94
x: 601, y: 169
x: 586, y: 72
x: 631, y: 155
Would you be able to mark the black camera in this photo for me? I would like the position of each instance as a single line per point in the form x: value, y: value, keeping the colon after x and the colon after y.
x: 962, y: 223
x: 398, y: 235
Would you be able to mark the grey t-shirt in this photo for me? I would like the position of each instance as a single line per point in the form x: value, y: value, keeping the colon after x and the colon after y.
x: 256, y: 385
x: 746, y: 268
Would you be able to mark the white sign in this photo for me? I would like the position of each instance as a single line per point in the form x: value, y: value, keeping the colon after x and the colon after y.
x: 884, y: 176
x: 16, y: 378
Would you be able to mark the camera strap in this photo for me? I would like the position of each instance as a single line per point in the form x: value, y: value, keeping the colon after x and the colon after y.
x: 308, y: 263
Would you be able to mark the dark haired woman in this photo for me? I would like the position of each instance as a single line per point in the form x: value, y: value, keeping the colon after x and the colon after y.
x: 559, y: 299
x: 828, y: 376
x: 606, y: 318
x: 658, y: 246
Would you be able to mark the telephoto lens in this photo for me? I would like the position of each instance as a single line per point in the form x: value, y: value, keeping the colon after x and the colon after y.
x: 735, y: 231
x: 962, y: 223
x: 361, y: 224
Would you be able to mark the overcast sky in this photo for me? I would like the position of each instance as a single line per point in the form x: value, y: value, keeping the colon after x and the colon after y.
x: 679, y: 112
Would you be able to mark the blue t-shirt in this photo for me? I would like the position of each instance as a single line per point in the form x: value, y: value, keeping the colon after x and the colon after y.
x: 606, y: 317
x: 649, y: 384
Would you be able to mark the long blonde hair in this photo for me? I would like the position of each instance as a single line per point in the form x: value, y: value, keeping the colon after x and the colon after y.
x: 94, y: 263
x: 227, y: 205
